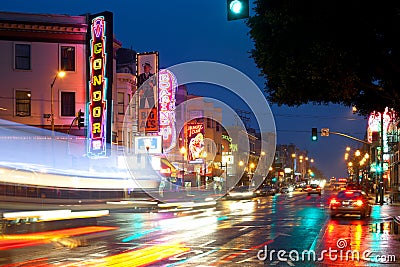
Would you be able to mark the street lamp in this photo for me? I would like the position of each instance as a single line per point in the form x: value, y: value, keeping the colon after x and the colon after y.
x: 60, y: 74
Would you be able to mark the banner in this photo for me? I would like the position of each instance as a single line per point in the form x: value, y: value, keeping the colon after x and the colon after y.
x: 195, y: 137
x: 147, y: 86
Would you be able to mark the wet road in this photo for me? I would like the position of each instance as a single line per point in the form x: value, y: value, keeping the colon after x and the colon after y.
x: 282, y: 230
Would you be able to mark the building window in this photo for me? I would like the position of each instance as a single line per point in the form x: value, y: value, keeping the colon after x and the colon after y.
x: 22, y: 56
x: 209, y: 123
x: 68, y: 104
x: 128, y: 110
x: 120, y: 103
x: 22, y: 103
x: 67, y: 58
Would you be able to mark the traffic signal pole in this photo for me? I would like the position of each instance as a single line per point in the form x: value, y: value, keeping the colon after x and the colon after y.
x: 379, y: 181
x: 381, y: 161
x: 351, y: 137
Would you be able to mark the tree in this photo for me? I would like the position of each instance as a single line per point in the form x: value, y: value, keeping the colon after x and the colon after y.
x: 331, y: 51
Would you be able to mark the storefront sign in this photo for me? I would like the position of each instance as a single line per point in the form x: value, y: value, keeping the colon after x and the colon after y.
x: 167, y: 85
x: 100, y: 83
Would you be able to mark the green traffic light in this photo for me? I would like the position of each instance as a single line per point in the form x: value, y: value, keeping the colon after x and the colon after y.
x: 314, y: 134
x: 237, y: 9
x: 236, y: 6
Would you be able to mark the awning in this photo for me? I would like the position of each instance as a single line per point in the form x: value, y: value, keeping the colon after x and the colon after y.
x: 166, y: 164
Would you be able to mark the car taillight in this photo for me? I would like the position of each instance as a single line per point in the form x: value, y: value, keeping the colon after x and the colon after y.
x: 333, y: 202
x: 359, y: 203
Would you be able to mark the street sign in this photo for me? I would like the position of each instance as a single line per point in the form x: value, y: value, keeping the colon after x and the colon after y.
x: 325, y: 132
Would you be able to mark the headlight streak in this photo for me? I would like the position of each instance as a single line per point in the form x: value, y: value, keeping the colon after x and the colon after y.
x: 138, y: 257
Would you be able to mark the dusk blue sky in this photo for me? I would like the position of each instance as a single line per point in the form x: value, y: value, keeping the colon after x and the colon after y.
x: 183, y: 31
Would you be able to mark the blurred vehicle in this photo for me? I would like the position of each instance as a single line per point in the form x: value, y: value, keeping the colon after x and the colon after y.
x: 342, y: 187
x: 353, y: 186
x: 304, y: 188
x: 241, y: 192
x: 350, y: 202
x: 286, y: 189
x: 265, y: 190
x: 299, y: 186
x: 314, y: 189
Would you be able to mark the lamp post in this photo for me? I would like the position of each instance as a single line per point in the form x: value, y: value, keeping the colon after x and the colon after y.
x: 252, y: 166
x: 147, y: 144
x: 204, y: 156
x: 357, y: 169
x: 183, y: 152
x: 293, y: 171
x: 60, y: 74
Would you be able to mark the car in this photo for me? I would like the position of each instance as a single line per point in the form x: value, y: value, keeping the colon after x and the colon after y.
x: 314, y: 189
x: 286, y: 189
x: 265, y: 191
x: 353, y: 186
x: 304, y: 188
x: 350, y: 202
x: 241, y: 192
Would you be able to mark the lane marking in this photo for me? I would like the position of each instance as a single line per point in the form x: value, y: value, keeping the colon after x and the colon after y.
x: 207, y: 243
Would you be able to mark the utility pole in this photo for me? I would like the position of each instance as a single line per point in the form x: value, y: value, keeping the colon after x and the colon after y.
x: 381, y: 162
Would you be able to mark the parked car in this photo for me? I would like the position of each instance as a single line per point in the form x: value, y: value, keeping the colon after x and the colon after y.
x: 314, y: 189
x: 350, y: 202
x: 265, y: 191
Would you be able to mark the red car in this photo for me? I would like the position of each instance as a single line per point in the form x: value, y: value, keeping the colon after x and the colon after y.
x: 350, y: 202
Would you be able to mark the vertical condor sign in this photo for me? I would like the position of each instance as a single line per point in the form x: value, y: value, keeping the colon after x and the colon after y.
x: 100, y: 63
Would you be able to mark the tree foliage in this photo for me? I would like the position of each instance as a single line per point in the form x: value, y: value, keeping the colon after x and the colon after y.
x: 331, y: 51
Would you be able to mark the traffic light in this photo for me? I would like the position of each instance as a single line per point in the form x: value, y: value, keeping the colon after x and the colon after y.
x: 81, y: 119
x: 314, y: 134
x: 237, y: 9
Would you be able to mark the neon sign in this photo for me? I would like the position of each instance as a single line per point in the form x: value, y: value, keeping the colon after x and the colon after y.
x: 374, y: 125
x: 227, y: 137
x: 167, y: 85
x: 97, y: 89
x: 195, y: 135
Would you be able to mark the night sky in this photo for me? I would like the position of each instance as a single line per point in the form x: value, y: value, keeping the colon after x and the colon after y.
x: 184, y: 31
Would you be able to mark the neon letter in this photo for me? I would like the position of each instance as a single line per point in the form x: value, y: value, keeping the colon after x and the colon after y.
x: 97, y: 112
x: 97, y: 80
x: 97, y: 64
x: 98, y: 48
x: 97, y: 96
x: 96, y: 127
